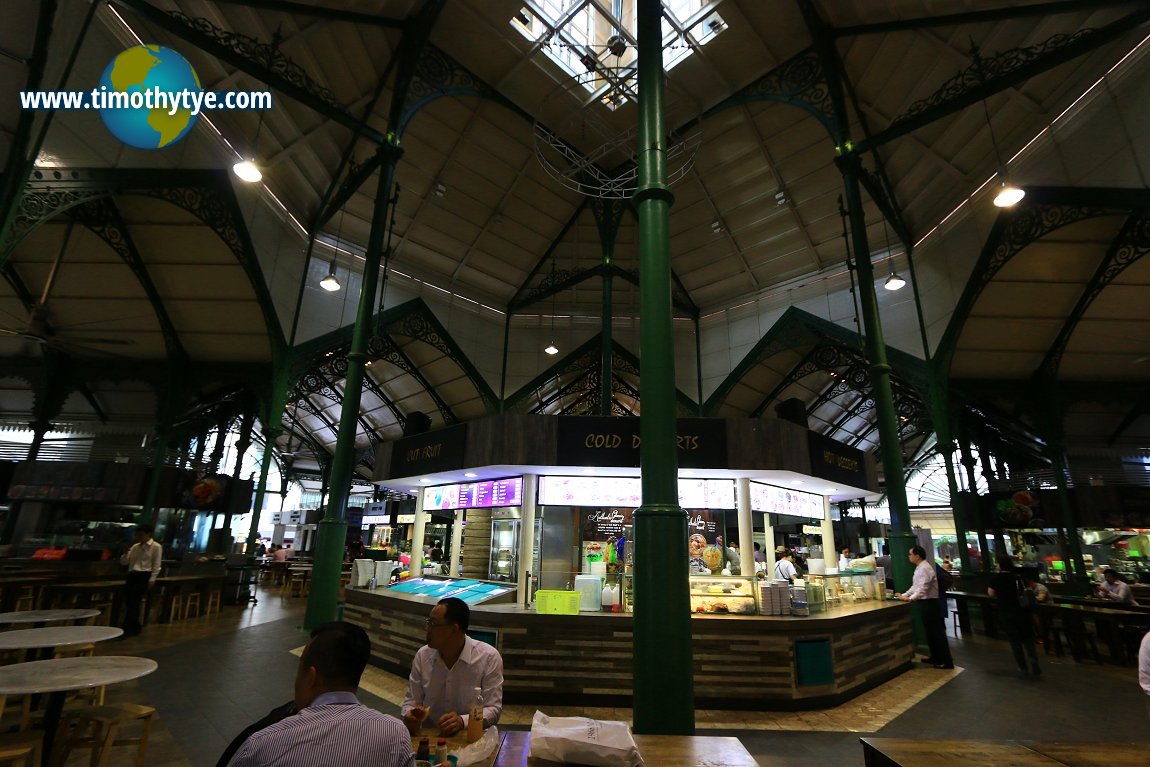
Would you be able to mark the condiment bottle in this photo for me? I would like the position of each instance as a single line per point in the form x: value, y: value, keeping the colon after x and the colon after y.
x: 475, y: 717
x: 424, y: 750
x: 440, y: 751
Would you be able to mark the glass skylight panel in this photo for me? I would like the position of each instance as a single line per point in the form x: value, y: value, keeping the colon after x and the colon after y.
x: 575, y: 34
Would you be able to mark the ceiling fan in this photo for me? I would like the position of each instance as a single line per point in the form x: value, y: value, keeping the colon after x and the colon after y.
x: 38, y: 330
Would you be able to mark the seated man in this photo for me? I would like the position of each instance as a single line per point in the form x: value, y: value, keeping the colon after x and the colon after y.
x: 331, y: 726
x: 1113, y: 587
x: 447, y: 670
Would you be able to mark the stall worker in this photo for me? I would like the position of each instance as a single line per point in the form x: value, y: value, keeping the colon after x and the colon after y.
x: 446, y: 671
x: 785, y: 567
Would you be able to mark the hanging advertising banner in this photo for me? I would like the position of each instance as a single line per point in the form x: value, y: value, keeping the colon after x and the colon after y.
x: 834, y: 461
x: 607, y: 441
x: 604, y: 524
x: 439, y: 450
x: 627, y: 492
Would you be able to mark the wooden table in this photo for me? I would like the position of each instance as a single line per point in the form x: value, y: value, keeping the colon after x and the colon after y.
x: 657, y: 750
x: 60, y: 676
x: 899, y: 752
x: 962, y: 601
x: 1107, y: 624
x: 56, y: 636
x: 39, y: 617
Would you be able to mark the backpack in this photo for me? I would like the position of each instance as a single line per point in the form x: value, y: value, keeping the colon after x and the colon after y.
x: 945, y: 579
x: 1027, y: 599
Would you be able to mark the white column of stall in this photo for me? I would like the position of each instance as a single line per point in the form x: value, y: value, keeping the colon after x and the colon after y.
x: 527, y: 537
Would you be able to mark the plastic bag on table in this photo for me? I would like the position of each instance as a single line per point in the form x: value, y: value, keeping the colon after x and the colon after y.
x: 479, y: 751
x: 578, y: 740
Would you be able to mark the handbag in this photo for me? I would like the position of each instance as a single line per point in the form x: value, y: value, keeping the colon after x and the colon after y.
x: 1027, y: 599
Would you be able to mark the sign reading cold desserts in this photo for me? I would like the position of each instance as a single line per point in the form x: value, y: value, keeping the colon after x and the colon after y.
x: 606, y: 441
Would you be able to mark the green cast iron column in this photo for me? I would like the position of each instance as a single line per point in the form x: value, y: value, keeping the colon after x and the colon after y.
x: 605, y: 350
x: 901, y: 538
x: 272, y: 428
x: 663, y: 673
x: 331, y: 537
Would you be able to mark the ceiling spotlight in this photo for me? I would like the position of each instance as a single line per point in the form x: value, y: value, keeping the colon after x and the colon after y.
x: 551, y: 348
x: 1008, y: 195
x: 894, y: 282
x: 471, y: 475
x: 439, y: 190
x: 716, y: 226
x: 246, y: 170
x: 330, y: 283
x: 424, y: 480
x: 780, y: 197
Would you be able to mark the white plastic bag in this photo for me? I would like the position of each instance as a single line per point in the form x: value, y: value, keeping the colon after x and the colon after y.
x: 578, y: 740
x: 481, y: 750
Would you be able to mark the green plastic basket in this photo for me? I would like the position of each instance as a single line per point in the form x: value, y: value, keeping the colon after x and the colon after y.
x: 557, y: 602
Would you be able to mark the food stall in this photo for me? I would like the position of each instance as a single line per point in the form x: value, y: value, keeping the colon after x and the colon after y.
x: 579, y: 488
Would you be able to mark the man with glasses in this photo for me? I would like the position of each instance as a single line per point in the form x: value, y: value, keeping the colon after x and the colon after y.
x: 447, y: 670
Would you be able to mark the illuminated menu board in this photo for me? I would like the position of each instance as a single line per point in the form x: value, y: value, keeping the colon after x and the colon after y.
x: 778, y: 500
x: 627, y: 492
x: 474, y: 495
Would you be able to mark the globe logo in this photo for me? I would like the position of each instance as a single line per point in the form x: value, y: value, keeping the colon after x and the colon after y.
x: 130, y: 105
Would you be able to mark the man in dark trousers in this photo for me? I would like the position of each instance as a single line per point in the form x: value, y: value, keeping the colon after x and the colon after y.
x: 924, y: 591
x: 143, y: 561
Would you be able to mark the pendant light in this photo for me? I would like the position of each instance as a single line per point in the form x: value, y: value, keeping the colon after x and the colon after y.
x: 1008, y: 195
x: 330, y: 283
x: 894, y: 281
x: 245, y: 168
x: 551, y: 348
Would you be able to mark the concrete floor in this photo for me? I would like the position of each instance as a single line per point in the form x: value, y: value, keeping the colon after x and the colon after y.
x: 218, y: 674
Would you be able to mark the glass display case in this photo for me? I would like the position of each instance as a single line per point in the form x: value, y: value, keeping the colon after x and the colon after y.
x: 434, y: 588
x: 834, y: 589
x: 723, y: 594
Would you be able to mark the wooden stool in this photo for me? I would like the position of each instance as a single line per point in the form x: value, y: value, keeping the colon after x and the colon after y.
x: 176, y: 609
x: 20, y: 749
x: 190, y: 601
x: 213, y: 602
x: 25, y: 598
x: 98, y: 728
x: 296, y: 586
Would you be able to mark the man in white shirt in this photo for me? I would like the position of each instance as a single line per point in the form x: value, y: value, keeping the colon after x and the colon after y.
x: 1115, y: 588
x: 447, y: 670
x: 785, y: 568
x: 844, y: 560
x: 143, y: 561
x: 1144, y: 666
x: 924, y: 591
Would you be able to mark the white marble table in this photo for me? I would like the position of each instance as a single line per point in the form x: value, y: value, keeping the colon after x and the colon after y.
x: 47, y: 616
x: 62, y: 675
x: 56, y: 636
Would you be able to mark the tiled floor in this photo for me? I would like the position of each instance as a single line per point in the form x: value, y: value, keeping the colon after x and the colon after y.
x: 219, y: 674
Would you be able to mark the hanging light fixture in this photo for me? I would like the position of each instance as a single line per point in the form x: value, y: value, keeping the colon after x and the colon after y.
x: 894, y: 281
x: 1008, y: 194
x: 245, y: 168
x: 551, y: 348
x: 329, y: 282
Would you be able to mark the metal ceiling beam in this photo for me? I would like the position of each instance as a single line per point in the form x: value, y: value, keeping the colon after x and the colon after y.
x: 373, y: 386
x: 383, y: 347
x: 319, y: 12
x: 980, y: 17
x: 1005, y: 70
x: 1128, y: 420
x: 1131, y: 243
x: 368, y: 426
x: 271, y: 66
x: 519, y: 296
x: 103, y: 218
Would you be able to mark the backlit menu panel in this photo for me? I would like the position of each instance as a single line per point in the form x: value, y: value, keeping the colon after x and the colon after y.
x: 475, y: 495
x: 627, y: 492
x: 778, y: 500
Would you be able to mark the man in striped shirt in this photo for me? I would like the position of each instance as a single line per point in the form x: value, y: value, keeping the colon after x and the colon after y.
x: 331, y: 725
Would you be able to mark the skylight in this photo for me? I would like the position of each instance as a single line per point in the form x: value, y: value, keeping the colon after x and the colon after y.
x: 594, y: 40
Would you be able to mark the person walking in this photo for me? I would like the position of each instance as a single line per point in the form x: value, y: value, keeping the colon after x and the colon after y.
x: 924, y: 592
x: 143, y: 561
x: 1015, y: 605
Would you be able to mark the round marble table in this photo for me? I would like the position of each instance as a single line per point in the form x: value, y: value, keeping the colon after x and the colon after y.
x: 61, y: 675
x: 40, y: 617
x: 56, y: 636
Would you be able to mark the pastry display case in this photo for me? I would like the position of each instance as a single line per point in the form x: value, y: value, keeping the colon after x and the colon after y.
x: 834, y: 589
x: 723, y: 594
